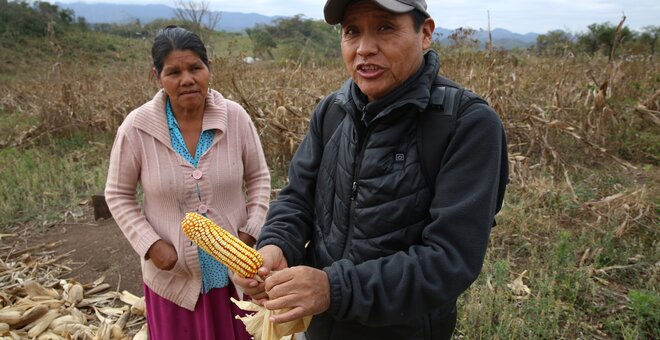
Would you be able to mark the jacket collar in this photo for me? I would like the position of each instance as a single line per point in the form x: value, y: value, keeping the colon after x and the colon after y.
x: 151, y: 117
x: 415, y: 91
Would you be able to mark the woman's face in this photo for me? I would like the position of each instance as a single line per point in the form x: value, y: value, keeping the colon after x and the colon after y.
x: 185, y: 79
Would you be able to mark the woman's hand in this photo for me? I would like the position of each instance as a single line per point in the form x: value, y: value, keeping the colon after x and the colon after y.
x: 247, y: 238
x: 162, y: 254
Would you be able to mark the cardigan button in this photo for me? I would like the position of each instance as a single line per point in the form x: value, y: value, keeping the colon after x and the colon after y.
x: 197, y: 174
x: 202, y: 209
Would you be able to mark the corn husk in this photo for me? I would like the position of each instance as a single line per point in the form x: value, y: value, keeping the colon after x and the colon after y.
x: 37, y: 303
x: 258, y: 324
x: 142, y: 333
x: 40, y: 325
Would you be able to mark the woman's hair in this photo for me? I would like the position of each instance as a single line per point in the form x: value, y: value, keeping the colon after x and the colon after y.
x: 173, y: 38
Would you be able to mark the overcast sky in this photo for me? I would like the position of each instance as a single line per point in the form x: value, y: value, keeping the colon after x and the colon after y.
x: 520, y: 16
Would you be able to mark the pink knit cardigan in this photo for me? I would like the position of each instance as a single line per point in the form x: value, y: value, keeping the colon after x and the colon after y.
x: 233, y: 179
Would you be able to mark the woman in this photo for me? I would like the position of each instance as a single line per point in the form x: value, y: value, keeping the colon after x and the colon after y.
x: 190, y: 149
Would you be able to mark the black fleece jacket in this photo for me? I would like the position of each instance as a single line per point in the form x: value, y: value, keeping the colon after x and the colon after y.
x: 397, y: 256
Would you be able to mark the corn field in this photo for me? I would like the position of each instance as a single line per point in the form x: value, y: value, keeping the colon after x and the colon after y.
x: 575, y: 253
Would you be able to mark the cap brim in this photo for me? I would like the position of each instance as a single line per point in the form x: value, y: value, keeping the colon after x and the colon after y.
x: 333, y: 11
x: 394, y: 6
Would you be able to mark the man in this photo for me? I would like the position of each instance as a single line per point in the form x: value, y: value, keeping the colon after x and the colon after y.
x: 358, y: 238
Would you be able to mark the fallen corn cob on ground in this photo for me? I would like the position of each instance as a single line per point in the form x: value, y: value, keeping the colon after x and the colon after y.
x: 225, y: 247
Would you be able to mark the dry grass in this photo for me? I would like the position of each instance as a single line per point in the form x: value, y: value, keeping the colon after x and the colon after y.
x: 575, y: 254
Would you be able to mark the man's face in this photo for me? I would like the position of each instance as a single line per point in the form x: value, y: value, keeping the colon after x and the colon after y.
x: 381, y: 49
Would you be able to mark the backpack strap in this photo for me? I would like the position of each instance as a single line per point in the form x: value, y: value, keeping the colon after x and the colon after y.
x: 437, y: 124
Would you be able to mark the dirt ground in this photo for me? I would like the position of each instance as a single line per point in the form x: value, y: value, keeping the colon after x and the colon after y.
x: 96, y: 248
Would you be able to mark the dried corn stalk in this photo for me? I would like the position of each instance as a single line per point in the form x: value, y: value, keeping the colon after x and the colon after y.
x: 36, y: 303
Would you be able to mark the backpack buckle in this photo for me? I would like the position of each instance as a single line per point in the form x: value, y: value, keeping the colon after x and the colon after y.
x: 438, y: 96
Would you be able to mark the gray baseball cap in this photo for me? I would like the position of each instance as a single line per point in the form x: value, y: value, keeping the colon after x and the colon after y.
x: 334, y: 9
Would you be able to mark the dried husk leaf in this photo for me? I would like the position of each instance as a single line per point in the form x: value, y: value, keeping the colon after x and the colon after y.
x: 68, y: 329
x: 50, y: 302
x: 104, y: 332
x: 34, y: 290
x: 4, y: 300
x: 64, y: 319
x: 112, y: 311
x: 31, y: 315
x: 128, y: 298
x: 116, y: 332
x: 99, y: 281
x: 17, y: 335
x: 260, y: 326
x: 98, y: 289
x: 518, y: 287
x: 42, y: 324
x: 123, y: 319
x: 10, y: 317
x: 24, y: 304
x: 48, y: 335
x: 35, y: 310
x: 80, y: 316
x: 139, y: 307
x: 142, y: 333
x: 75, y: 294
x: 104, y: 298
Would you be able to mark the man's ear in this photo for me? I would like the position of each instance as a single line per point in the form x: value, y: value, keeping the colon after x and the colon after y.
x: 427, y: 29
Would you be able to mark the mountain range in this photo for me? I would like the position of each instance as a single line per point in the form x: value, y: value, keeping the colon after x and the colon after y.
x: 237, y: 22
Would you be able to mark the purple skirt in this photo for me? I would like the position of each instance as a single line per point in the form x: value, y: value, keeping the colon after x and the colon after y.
x: 212, y: 319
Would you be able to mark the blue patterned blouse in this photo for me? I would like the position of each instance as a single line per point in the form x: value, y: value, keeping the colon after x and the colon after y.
x: 214, y: 273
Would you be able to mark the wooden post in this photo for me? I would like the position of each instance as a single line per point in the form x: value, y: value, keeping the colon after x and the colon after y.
x: 101, y: 209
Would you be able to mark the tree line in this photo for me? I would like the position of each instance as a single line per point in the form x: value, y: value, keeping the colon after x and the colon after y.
x: 20, y: 19
x: 304, y: 39
x: 600, y: 38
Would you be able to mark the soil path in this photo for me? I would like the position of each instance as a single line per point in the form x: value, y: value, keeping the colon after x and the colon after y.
x: 96, y: 248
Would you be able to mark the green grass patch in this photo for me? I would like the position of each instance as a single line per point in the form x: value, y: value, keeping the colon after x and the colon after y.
x: 15, y: 122
x: 228, y: 45
x: 586, y: 279
x: 646, y: 307
x: 41, y: 182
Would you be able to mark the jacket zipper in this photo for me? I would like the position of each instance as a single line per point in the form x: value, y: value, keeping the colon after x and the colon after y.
x: 355, y: 186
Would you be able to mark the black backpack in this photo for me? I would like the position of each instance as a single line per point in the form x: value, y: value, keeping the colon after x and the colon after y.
x: 435, y: 127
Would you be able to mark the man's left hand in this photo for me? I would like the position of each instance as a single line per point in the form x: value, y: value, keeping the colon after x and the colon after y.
x: 305, y: 290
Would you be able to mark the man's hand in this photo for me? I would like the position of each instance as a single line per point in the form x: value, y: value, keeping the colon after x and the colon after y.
x: 162, y: 254
x: 273, y: 260
x: 305, y: 290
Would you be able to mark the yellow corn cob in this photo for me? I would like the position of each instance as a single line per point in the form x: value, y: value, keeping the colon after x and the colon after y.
x: 225, y: 247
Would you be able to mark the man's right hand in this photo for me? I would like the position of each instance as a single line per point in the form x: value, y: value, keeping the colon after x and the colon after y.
x: 162, y: 254
x: 273, y: 260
